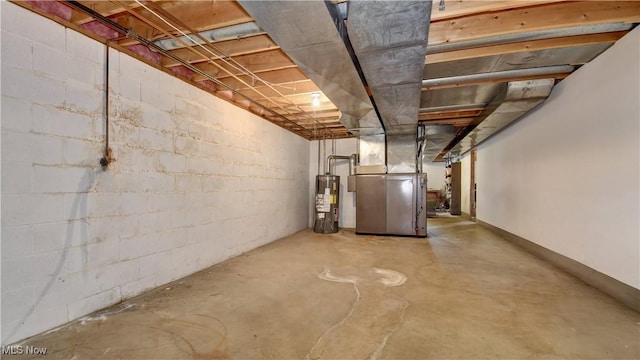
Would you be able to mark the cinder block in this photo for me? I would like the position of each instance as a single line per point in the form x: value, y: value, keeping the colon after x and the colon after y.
x: 188, y: 112
x: 188, y: 183
x: 169, y: 239
x: 31, y: 209
x: 55, y: 179
x: 39, y: 320
x: 102, y: 204
x: 32, y: 269
x: 127, y: 86
x: 123, y: 133
x: 27, y: 85
x: 82, y: 46
x: 16, y: 52
x: 92, y: 256
x: 212, y: 183
x: 152, y: 94
x: 16, y: 303
x: 51, y: 62
x: 57, y: 64
x: 81, y: 152
x: 53, y: 121
x: 92, y: 303
x: 65, y: 289
x: 102, y: 230
x: 150, y: 265
x: 18, y: 179
x: 169, y: 201
x: 128, y: 227
x: 137, y: 203
x: 17, y: 242
x: 186, y: 145
x: 156, y: 140
x: 40, y: 30
x: 157, y: 182
x: 84, y: 98
x: 49, y: 237
x: 155, y: 222
x: 134, y: 288
x: 114, y: 275
x: 76, y: 206
x: 16, y: 114
x: 204, y: 232
x: 204, y: 166
x: 190, y: 217
x: 172, y: 162
x: 153, y: 118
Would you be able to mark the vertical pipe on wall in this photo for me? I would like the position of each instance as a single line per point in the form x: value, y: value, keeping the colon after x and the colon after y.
x: 106, y: 159
x: 318, y: 157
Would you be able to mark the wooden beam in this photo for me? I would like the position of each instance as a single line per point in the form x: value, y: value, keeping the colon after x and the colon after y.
x: 235, y: 47
x: 105, y: 8
x: 533, y: 45
x: 277, y: 76
x: 199, y: 15
x: 286, y: 89
x: 256, y: 63
x: 459, y: 8
x: 550, y: 16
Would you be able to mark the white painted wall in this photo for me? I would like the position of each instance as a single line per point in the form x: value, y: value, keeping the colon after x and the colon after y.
x: 567, y: 175
x: 347, y: 147
x: 196, y: 180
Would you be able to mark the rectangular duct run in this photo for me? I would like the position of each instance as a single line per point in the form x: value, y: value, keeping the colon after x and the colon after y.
x: 321, y: 54
x: 514, y: 100
x: 389, y: 39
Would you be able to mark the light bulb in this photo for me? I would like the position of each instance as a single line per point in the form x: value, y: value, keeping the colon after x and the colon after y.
x: 315, y: 99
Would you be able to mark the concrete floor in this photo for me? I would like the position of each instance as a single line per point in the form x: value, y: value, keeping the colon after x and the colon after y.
x: 462, y: 293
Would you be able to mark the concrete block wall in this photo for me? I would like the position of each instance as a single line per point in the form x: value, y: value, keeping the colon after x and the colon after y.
x: 196, y: 180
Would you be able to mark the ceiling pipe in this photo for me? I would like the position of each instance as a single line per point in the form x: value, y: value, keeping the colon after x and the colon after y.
x: 528, y: 36
x: 237, y: 31
x: 499, y: 75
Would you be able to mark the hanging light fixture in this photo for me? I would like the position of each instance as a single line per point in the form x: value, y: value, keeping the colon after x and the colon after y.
x: 315, y: 99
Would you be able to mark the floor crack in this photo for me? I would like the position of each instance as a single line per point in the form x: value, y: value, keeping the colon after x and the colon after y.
x: 327, y: 276
x: 382, y: 345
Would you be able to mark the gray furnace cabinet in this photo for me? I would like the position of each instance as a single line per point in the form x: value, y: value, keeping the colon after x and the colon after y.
x: 391, y: 204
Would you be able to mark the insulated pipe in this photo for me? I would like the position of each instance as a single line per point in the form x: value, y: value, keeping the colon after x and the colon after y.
x: 353, y: 159
x: 499, y: 75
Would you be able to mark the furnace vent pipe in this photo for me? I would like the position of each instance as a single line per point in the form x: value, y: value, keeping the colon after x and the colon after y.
x: 353, y: 161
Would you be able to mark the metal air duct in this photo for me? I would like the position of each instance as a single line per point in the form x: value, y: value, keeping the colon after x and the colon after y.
x: 513, y: 100
x: 389, y: 39
x: 309, y: 32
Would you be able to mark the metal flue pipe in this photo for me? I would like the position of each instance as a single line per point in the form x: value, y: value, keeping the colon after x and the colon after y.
x: 353, y: 161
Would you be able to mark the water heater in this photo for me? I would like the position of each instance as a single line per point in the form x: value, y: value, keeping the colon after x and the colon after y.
x: 327, y: 204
